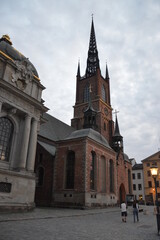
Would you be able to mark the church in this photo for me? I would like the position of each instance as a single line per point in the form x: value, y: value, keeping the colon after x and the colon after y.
x: 89, y: 168
x: 45, y: 162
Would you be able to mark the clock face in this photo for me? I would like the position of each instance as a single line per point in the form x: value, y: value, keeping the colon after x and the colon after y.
x: 106, y: 111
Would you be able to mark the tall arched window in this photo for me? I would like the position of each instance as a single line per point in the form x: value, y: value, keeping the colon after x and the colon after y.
x: 129, y: 182
x: 86, y: 93
x: 70, y: 169
x: 40, y: 176
x: 111, y: 170
x: 92, y: 171
x: 103, y: 93
x: 6, y: 133
x: 103, y: 174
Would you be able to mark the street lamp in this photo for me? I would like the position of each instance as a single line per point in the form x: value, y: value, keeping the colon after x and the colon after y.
x: 154, y: 173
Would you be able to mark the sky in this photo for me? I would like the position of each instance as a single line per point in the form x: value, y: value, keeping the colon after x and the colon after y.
x: 54, y: 35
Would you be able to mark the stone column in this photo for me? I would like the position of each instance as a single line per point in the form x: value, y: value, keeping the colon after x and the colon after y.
x: 25, y: 142
x: 32, y: 146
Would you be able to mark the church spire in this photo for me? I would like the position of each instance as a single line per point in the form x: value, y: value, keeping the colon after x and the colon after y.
x: 92, y: 60
x: 107, y: 74
x: 117, y: 138
x: 78, y: 70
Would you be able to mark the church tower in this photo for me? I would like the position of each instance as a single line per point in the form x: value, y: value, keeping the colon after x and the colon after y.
x: 100, y: 96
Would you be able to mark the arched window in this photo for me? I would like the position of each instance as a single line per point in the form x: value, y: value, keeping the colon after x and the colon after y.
x: 6, y: 133
x: 103, y: 174
x: 129, y: 182
x: 103, y: 93
x: 92, y: 171
x: 40, y: 176
x: 86, y: 93
x: 70, y: 169
x: 111, y: 170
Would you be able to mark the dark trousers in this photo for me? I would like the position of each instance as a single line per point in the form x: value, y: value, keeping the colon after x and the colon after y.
x: 135, y: 214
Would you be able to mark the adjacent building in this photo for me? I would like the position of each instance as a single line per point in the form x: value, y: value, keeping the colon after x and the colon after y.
x: 138, y: 182
x: 149, y: 186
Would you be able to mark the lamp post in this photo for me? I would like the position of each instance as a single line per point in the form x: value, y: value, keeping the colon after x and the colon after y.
x: 154, y: 173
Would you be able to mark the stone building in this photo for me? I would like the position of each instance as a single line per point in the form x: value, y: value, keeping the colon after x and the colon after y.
x: 89, y: 165
x: 21, y: 108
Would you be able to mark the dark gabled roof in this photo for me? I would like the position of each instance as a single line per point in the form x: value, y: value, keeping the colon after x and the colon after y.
x: 54, y: 129
x: 148, y: 158
x: 90, y: 133
x: 138, y: 166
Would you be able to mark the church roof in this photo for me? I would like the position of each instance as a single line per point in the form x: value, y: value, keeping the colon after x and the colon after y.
x: 7, y: 50
x: 90, y: 133
x: 54, y: 129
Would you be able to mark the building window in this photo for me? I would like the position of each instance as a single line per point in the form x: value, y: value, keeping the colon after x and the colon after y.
x: 92, y: 171
x: 138, y: 175
x: 40, y: 176
x: 133, y: 175
x: 148, y: 164
x: 6, y: 133
x: 129, y: 182
x: 149, y: 173
x: 103, y: 93
x: 139, y: 186
x: 134, y: 187
x: 70, y: 169
x: 86, y: 93
x: 111, y: 176
x: 149, y: 184
x: 103, y: 174
x: 157, y: 182
x: 5, y: 187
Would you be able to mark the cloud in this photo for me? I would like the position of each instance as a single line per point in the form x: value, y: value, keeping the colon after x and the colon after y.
x: 55, y: 34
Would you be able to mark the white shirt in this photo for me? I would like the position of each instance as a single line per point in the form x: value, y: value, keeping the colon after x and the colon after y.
x: 123, y: 207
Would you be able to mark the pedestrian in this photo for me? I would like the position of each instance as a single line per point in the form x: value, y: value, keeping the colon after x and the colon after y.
x: 135, y: 211
x: 124, y: 211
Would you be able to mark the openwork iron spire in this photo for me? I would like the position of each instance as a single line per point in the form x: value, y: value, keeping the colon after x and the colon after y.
x: 92, y: 60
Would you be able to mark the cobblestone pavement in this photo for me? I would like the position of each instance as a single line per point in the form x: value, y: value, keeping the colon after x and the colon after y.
x: 71, y: 224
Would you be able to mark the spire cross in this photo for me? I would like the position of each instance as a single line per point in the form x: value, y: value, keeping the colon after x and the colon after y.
x: 115, y: 112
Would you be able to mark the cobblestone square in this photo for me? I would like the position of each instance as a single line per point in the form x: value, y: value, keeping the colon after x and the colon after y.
x: 74, y: 224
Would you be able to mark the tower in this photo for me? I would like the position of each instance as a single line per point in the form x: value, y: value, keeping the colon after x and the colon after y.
x: 100, y: 92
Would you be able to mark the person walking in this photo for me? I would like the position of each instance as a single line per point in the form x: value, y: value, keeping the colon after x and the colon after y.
x: 124, y: 211
x: 135, y: 211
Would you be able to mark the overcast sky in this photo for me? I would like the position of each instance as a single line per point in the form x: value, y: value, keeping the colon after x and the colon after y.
x: 54, y: 35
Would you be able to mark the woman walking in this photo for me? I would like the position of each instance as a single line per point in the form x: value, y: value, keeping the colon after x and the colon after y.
x: 135, y: 211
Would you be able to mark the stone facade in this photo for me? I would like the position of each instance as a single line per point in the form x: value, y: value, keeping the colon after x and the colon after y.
x: 20, y: 113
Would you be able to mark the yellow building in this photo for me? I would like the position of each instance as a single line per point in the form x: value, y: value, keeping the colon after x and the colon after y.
x: 149, y: 185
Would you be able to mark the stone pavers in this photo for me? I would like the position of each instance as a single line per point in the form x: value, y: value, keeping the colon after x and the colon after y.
x: 73, y: 224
